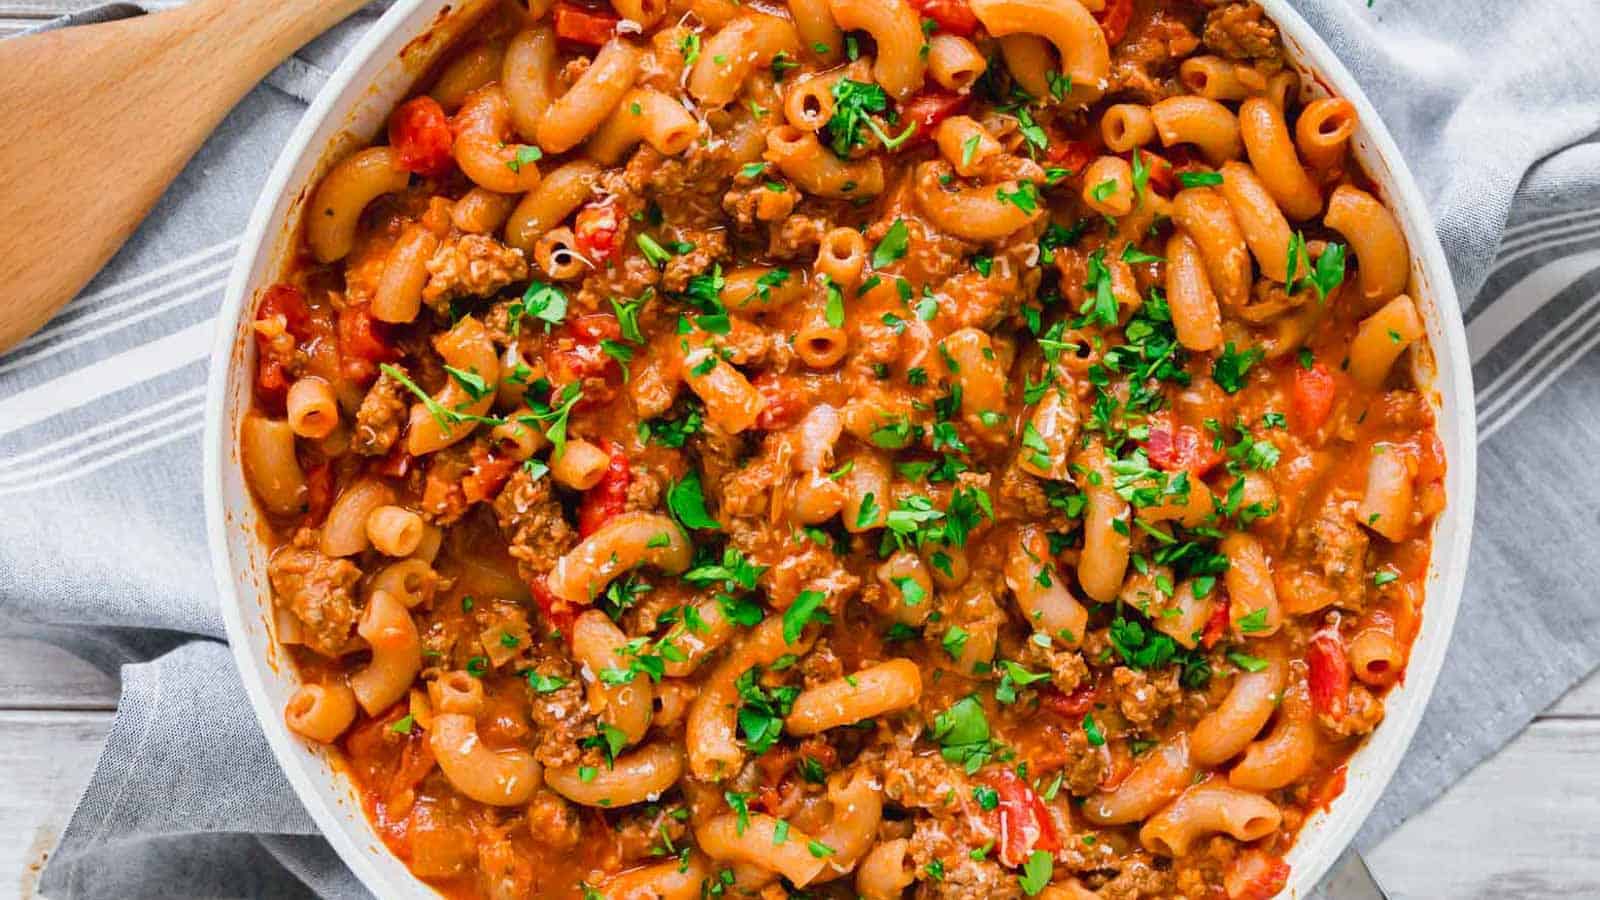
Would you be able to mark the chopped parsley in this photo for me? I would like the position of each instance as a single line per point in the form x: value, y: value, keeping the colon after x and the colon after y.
x: 963, y: 734
x: 806, y: 608
x: 1036, y: 872
x: 1232, y: 365
x: 893, y: 246
x: 762, y: 710
x: 687, y: 501
x: 853, y: 104
x: 1199, y: 179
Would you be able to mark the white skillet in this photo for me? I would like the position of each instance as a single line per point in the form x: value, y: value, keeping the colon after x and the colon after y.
x: 353, y: 107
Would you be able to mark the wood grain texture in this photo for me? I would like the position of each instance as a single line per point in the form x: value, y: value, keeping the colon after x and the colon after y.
x: 47, y: 758
x: 152, y: 86
x: 1521, y: 825
x: 38, y: 676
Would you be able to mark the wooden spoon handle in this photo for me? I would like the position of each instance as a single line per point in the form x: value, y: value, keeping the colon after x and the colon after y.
x: 101, y: 118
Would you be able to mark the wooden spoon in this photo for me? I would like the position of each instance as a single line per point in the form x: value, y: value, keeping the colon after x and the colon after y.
x: 100, y: 118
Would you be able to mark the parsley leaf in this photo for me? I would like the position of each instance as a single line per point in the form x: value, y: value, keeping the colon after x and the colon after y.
x: 687, y: 501
x: 1199, y: 179
x: 1036, y: 872
x: 963, y: 734
x: 806, y: 608
x: 1231, y: 367
x: 853, y: 101
x: 762, y: 710
x: 893, y: 246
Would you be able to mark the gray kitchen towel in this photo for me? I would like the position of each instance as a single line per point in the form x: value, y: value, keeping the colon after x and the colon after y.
x: 102, y: 545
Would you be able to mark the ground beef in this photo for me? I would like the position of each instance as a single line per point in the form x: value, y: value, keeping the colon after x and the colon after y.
x: 746, y: 493
x: 687, y: 188
x: 821, y: 665
x: 749, y: 344
x: 875, y: 342
x: 1086, y: 766
x: 718, y: 451
x: 793, y: 568
x: 798, y: 237
x: 318, y: 590
x: 471, y: 265
x: 1363, y: 712
x: 1145, y: 697
x: 640, y: 831
x: 644, y: 490
x: 934, y: 255
x: 627, y: 277
x: 1022, y: 496
x: 1143, y: 64
x: 923, y: 781
x: 534, y: 524
x: 1242, y: 31
x: 1337, y: 548
x: 709, y: 246
x: 749, y: 204
x: 378, y: 420
x: 443, y: 500
x: 964, y: 878
x: 1138, y: 879
x: 1066, y: 667
x: 553, y: 821
x: 561, y: 717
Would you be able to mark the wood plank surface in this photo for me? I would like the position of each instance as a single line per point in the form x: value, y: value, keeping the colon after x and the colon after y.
x: 47, y: 758
x: 36, y: 675
x: 1522, y: 825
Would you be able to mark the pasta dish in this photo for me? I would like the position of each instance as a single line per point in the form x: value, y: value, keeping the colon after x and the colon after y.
x: 847, y: 448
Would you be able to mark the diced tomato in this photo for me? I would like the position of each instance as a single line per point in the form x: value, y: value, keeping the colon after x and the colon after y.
x: 767, y: 799
x: 595, y: 327
x: 558, y: 614
x: 1072, y: 155
x: 1025, y: 823
x: 1174, y: 448
x: 1163, y: 178
x: 597, y: 230
x: 1312, y: 398
x: 607, y: 498
x: 488, y: 474
x: 363, y: 343
x: 285, y: 321
x: 419, y: 132
x: 931, y: 107
x: 1114, y: 19
x: 1070, y: 706
x: 1217, y: 625
x: 1329, y: 673
x: 953, y: 16
x: 319, y: 493
x: 576, y: 354
x: 783, y: 403
x: 583, y: 25
x: 1255, y: 876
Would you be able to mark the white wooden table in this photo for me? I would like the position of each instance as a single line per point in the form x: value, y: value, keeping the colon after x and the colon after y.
x: 1526, y: 824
